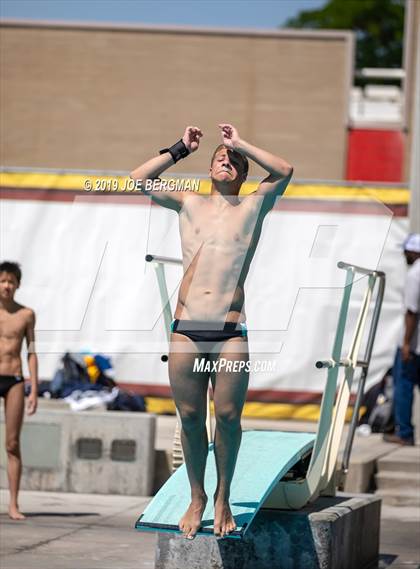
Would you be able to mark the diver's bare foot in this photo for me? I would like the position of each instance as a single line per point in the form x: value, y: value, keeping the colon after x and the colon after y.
x: 224, y: 522
x: 14, y: 514
x: 190, y: 522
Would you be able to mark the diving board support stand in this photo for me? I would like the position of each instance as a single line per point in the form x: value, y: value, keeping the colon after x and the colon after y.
x: 339, y: 532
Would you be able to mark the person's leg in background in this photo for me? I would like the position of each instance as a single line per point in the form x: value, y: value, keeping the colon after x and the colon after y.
x: 406, y: 377
x: 14, y: 410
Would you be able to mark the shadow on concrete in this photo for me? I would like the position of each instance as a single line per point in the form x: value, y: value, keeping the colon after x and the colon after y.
x: 386, y: 560
x: 60, y: 514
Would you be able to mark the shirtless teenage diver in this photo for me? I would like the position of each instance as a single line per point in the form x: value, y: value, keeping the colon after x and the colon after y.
x: 16, y: 323
x: 219, y: 235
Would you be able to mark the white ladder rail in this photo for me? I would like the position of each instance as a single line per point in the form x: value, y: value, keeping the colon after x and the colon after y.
x: 343, y: 396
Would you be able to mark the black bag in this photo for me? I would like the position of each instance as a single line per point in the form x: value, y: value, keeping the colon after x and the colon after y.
x: 379, y: 405
x: 126, y: 401
x: 381, y: 419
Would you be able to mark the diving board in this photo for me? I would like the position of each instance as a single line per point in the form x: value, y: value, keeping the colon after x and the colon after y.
x: 263, y: 460
x: 265, y: 457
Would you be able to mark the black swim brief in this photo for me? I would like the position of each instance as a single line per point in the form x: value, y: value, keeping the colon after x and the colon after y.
x: 8, y: 381
x: 203, y: 331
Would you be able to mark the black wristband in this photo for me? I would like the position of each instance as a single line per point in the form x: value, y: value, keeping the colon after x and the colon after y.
x: 177, y: 151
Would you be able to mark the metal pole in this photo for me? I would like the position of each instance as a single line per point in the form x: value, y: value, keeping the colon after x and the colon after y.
x: 362, y: 381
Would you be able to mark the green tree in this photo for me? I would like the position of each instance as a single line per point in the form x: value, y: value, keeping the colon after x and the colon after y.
x: 379, y: 27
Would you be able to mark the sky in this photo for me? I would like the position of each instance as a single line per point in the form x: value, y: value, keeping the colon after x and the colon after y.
x: 220, y: 13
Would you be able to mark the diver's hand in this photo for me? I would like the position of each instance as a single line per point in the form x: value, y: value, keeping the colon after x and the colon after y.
x: 191, y: 138
x: 230, y: 136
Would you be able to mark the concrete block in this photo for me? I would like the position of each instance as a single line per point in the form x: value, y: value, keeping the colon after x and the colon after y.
x: 90, y: 452
x: 406, y: 459
x: 44, y: 447
x: 124, y: 459
x: 363, y: 464
x: 409, y: 497
x: 163, y: 468
x: 332, y: 533
x: 398, y: 480
x: 361, y: 476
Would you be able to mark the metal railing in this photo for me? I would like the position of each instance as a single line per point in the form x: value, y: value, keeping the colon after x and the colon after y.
x: 334, y: 404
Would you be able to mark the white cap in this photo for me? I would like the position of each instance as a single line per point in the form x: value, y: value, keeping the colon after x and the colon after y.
x: 412, y: 243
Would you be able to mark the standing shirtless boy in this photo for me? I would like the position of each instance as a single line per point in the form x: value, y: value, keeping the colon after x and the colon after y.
x: 16, y: 323
x: 219, y: 236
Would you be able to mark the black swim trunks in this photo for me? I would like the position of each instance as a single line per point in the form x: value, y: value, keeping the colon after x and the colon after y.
x: 8, y: 381
x: 203, y: 331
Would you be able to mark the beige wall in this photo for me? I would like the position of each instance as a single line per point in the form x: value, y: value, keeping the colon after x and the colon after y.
x: 97, y: 97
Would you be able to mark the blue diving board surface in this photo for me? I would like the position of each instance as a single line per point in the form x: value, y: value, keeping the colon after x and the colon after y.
x: 264, y: 458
